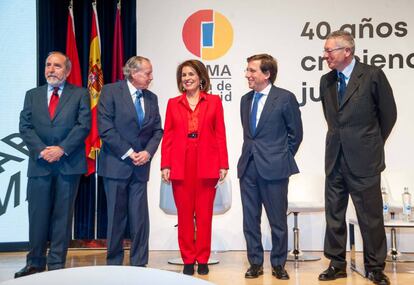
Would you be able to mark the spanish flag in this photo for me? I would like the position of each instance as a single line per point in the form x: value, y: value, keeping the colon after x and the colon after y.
x: 95, y: 83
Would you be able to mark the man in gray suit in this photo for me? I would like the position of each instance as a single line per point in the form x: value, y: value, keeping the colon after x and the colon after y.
x: 54, y: 123
x: 129, y: 125
x: 359, y: 108
x: 272, y: 133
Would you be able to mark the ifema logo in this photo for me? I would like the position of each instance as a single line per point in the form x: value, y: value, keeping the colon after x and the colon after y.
x: 207, y: 34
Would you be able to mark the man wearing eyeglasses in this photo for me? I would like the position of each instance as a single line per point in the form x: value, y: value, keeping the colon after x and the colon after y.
x: 360, y: 111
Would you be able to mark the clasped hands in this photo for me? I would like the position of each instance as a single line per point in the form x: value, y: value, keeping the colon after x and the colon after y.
x: 140, y: 158
x: 52, y: 153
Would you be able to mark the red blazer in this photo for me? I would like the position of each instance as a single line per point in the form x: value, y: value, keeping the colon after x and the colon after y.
x: 212, y: 149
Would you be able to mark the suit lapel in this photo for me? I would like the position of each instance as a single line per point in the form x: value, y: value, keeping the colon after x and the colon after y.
x: 63, y: 99
x: 42, y: 101
x: 267, y: 109
x: 332, y: 92
x: 183, y: 112
x: 203, y: 109
x: 353, y: 83
x: 147, y: 106
x: 127, y: 99
x: 247, y: 110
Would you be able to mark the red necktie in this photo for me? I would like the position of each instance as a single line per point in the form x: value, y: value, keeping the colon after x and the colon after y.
x: 54, y: 100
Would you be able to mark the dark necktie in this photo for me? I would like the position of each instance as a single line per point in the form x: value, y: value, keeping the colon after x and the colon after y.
x: 138, y: 107
x: 54, y: 100
x: 342, y: 88
x: 253, y: 114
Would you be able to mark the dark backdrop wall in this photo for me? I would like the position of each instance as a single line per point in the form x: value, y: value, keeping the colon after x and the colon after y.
x: 51, y: 28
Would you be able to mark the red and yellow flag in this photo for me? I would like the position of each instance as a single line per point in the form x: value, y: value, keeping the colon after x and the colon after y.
x: 95, y: 83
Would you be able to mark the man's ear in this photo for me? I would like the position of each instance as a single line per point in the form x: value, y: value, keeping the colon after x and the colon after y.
x: 267, y: 74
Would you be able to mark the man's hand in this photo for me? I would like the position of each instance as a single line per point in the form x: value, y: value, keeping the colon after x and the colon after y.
x: 52, y: 153
x: 143, y: 157
x: 140, y: 158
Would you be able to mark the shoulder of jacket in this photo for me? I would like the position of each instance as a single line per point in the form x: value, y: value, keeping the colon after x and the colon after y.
x: 37, y: 89
x: 244, y: 97
x: 75, y: 89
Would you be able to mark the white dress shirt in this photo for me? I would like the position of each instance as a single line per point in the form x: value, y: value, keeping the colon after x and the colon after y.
x: 262, y: 101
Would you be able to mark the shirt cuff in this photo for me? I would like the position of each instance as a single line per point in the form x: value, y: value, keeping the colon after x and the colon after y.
x: 127, y: 153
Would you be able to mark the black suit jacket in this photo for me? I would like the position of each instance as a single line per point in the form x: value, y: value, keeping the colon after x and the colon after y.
x: 119, y: 130
x: 363, y: 122
x: 277, y: 137
x: 68, y: 129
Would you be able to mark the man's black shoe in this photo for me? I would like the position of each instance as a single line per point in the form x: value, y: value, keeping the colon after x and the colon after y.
x: 378, y: 277
x: 280, y: 272
x: 28, y: 270
x: 202, y: 269
x: 332, y: 273
x: 254, y: 271
x: 188, y: 269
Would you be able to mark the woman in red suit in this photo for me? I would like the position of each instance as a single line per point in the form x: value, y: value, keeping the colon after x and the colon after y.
x: 194, y: 158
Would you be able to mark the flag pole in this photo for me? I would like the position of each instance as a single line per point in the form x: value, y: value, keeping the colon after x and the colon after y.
x: 96, y: 194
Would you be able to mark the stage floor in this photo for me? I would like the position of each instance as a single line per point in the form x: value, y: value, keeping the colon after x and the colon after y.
x: 230, y: 270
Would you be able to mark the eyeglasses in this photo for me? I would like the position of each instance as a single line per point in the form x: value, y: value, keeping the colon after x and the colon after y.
x: 329, y: 51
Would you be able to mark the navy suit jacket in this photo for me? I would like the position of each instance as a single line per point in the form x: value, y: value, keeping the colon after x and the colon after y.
x: 68, y: 129
x: 277, y: 137
x: 119, y: 130
x: 362, y: 124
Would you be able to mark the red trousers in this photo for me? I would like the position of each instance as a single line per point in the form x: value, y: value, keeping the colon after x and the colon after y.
x: 194, y: 199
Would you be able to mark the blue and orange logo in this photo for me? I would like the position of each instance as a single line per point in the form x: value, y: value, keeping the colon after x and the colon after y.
x: 207, y: 34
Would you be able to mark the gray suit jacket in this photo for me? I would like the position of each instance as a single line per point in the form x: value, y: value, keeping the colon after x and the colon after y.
x: 68, y: 129
x: 119, y: 130
x: 277, y: 137
x: 362, y: 123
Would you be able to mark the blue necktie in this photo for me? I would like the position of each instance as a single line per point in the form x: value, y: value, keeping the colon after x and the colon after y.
x: 342, y: 88
x: 253, y: 114
x: 138, y: 107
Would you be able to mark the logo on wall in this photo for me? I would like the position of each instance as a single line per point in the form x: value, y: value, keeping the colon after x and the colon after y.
x: 207, y: 34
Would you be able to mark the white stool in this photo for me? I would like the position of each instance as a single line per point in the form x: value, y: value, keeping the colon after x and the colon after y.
x: 305, y: 195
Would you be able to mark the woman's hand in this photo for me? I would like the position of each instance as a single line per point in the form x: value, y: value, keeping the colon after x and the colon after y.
x: 165, y: 175
x: 223, y: 173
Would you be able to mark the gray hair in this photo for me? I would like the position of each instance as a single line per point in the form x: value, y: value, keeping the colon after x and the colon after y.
x: 133, y: 64
x: 68, y: 63
x: 346, y: 39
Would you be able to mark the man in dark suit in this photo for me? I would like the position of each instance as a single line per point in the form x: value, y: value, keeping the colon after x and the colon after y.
x: 129, y: 125
x: 54, y: 123
x: 272, y: 133
x: 360, y: 111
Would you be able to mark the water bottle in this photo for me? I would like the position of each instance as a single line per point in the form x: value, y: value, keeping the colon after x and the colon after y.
x: 385, y: 204
x: 406, y: 196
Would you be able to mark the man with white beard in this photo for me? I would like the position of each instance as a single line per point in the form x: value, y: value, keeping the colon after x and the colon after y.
x: 54, y: 123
